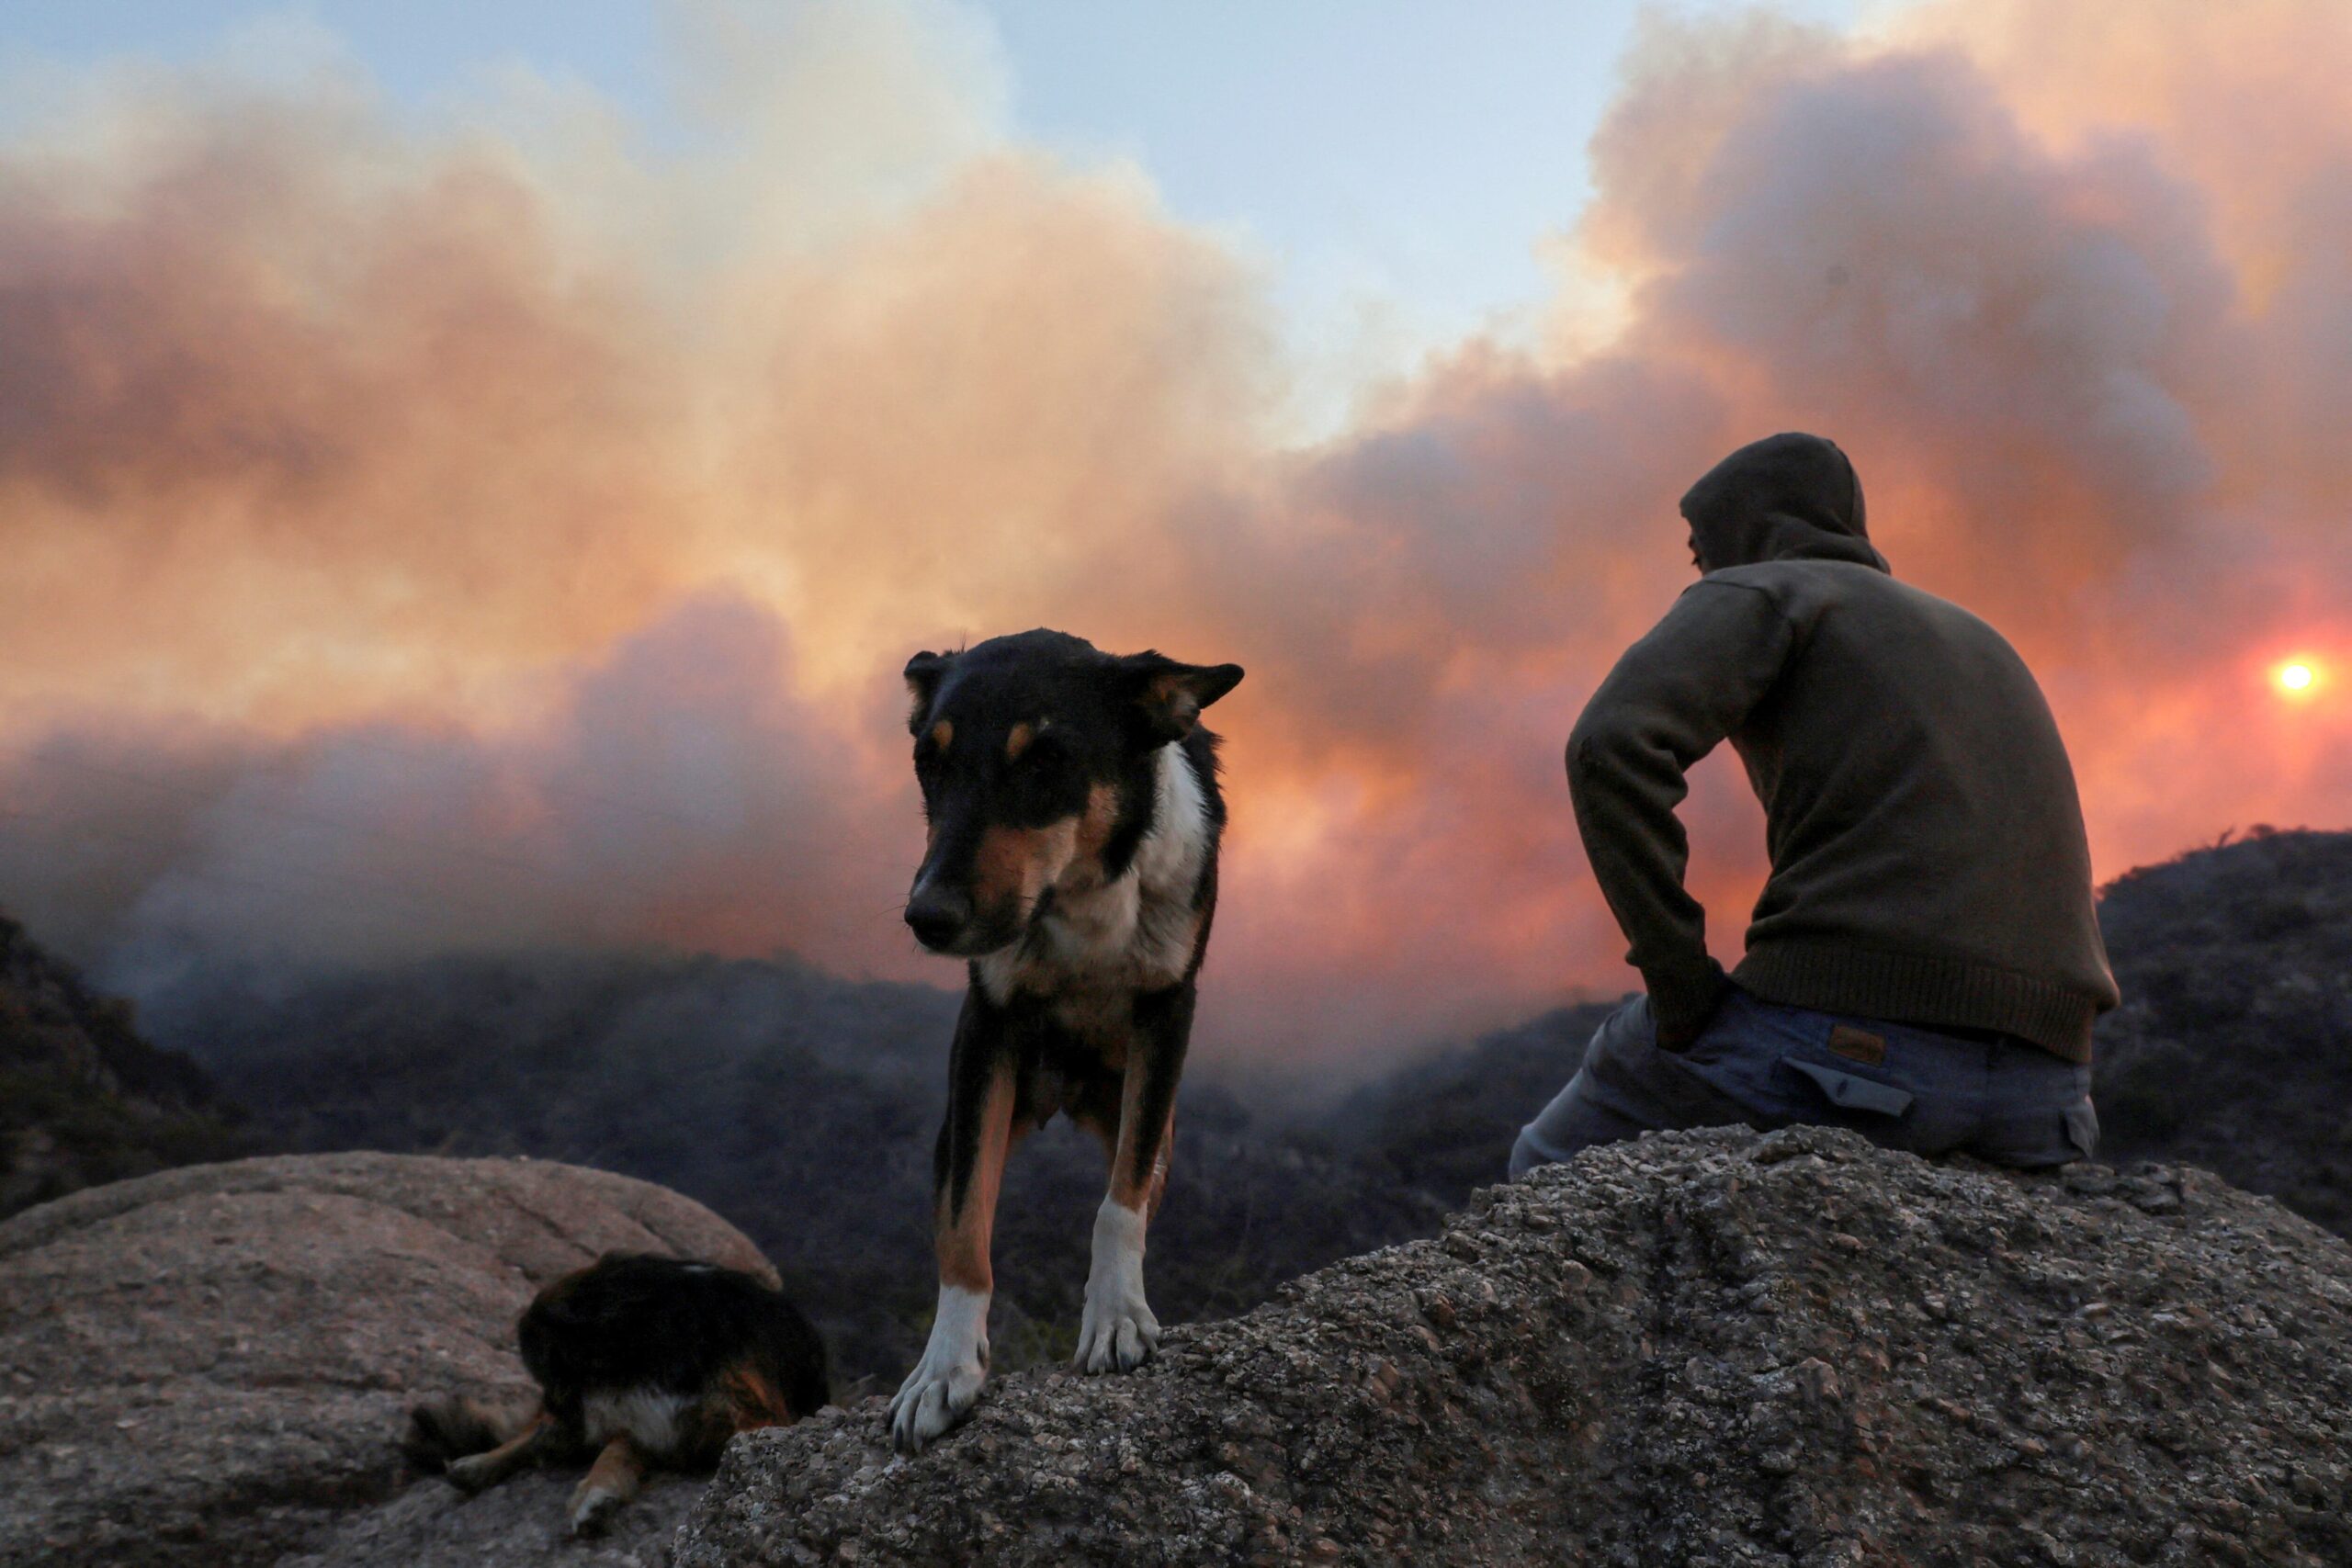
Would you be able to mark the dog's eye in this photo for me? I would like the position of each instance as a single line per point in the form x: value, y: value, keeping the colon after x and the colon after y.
x: 1041, y: 774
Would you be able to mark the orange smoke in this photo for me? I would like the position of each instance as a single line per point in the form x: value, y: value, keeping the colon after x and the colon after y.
x: 423, y: 539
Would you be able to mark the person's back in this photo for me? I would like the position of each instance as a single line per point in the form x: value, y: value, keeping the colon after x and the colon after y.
x: 1930, y: 883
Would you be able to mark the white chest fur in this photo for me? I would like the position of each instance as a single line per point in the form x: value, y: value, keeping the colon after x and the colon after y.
x: 648, y: 1415
x: 1132, y: 934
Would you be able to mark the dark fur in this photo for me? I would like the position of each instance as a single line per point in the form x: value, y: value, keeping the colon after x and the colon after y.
x: 445, y: 1430
x: 723, y: 1349
x: 643, y: 1322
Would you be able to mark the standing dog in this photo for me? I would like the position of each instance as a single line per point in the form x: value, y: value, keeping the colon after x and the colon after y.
x: 643, y: 1361
x: 1075, y: 816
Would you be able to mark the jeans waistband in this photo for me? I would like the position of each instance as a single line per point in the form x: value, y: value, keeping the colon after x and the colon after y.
x: 1965, y: 1032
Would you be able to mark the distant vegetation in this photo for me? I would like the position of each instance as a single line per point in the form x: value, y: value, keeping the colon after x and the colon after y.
x: 803, y: 1107
x: 1445, y: 1125
x: 2232, y: 1049
x: 82, y: 1097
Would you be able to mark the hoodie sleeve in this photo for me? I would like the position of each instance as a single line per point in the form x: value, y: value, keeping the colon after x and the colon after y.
x: 1672, y: 697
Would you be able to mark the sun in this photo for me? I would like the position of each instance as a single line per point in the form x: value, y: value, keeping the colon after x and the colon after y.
x: 2295, y: 677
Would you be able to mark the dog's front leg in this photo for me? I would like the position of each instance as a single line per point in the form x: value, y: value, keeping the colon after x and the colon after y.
x: 608, y: 1487
x: 966, y: 1172
x: 1118, y: 1330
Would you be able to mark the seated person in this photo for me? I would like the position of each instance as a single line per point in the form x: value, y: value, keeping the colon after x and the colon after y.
x: 1925, y: 961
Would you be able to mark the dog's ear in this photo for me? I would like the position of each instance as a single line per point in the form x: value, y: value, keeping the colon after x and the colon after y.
x: 923, y: 672
x: 1168, y: 696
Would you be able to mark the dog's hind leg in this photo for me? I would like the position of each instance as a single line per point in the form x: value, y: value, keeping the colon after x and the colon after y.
x: 980, y: 1133
x: 1118, y: 1330
x: 440, y: 1430
x: 478, y: 1471
x: 609, y: 1485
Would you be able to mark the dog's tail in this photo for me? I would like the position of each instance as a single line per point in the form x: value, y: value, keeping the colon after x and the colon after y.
x: 440, y: 1430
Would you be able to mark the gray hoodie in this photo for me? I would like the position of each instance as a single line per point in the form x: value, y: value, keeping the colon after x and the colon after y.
x: 1929, y: 864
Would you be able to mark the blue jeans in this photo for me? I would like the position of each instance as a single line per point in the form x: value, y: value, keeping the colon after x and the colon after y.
x: 2001, y: 1100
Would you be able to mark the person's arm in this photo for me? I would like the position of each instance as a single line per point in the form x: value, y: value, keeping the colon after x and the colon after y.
x: 1671, y: 699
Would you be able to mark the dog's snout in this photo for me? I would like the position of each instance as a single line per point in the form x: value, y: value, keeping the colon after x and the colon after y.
x: 938, y: 915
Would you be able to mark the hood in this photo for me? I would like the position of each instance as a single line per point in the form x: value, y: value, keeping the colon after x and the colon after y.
x: 1789, y: 497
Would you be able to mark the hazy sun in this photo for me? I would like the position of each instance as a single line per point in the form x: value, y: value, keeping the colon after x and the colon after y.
x: 2294, y: 676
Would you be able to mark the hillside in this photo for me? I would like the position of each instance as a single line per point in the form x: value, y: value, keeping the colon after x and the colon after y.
x: 801, y: 1107
x: 1444, y: 1125
x: 85, y: 1100
x: 2233, y: 1047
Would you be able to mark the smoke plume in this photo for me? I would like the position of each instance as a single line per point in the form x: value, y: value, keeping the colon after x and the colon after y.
x: 498, y: 531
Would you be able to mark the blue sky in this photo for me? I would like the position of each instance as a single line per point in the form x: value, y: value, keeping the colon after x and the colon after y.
x: 1395, y: 166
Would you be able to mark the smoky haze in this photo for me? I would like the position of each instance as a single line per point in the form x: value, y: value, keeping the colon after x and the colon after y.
x: 492, y: 532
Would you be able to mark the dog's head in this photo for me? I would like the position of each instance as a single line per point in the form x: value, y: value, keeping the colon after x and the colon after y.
x: 1035, y: 754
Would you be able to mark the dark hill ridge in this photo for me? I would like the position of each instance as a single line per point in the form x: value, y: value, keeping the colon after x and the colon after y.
x: 1722, y: 1348
x: 83, y: 1100
x: 803, y: 1107
x: 800, y: 1106
x: 1445, y: 1125
x: 796, y: 1104
x: 2233, y: 1047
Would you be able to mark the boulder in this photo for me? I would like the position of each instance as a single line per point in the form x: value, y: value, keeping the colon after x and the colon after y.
x: 211, y: 1365
x: 1707, y: 1349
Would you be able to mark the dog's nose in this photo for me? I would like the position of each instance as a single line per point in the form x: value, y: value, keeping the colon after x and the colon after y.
x: 938, y: 915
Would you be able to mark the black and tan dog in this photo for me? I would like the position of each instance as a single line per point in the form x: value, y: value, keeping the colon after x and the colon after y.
x: 1075, y: 818
x: 644, y: 1361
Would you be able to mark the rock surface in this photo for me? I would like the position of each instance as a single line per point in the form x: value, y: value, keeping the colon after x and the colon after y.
x: 512, y: 1526
x: 210, y: 1365
x: 1708, y: 1348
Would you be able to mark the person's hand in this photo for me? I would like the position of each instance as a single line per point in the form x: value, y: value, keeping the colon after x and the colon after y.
x: 1681, y: 1005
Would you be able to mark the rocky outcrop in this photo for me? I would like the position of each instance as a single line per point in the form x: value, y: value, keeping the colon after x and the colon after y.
x: 1703, y: 1348
x: 1708, y: 1348
x: 210, y: 1366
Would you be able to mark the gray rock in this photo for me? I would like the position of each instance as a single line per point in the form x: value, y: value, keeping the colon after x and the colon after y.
x: 519, y: 1523
x: 211, y: 1365
x: 1710, y: 1348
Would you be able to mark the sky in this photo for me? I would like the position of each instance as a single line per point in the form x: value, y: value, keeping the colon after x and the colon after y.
x: 1396, y: 170
x: 475, y: 485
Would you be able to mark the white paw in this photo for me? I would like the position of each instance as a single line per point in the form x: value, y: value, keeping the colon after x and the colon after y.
x: 946, y: 1383
x: 1119, y: 1335
x: 593, y: 1509
x: 1119, y: 1331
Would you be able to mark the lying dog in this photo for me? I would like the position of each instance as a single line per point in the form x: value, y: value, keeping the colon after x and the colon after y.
x: 1075, y: 816
x: 643, y: 1361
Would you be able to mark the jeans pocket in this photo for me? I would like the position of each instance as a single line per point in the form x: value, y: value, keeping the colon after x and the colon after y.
x: 1851, y: 1091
